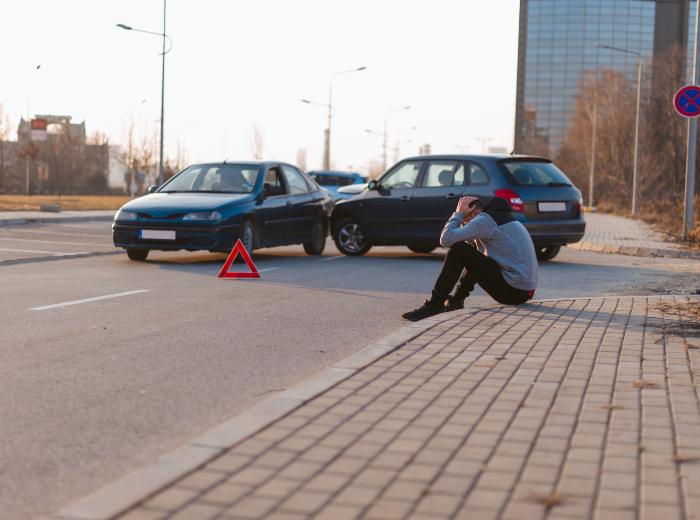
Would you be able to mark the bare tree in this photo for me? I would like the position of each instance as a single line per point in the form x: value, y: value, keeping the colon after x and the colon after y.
x: 257, y: 143
x: 5, y: 130
x: 138, y: 156
x: 662, y: 140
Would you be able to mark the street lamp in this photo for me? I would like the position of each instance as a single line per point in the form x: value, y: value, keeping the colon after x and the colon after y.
x: 162, y: 84
x: 329, y: 106
x: 635, y: 174
x: 483, y: 141
x: 385, y: 133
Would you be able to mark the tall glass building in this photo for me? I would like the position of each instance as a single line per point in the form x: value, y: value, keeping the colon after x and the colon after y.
x: 558, y: 43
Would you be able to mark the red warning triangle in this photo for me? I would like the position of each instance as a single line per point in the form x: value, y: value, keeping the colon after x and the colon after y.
x: 239, y: 248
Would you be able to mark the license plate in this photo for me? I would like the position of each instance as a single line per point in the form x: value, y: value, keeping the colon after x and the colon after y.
x: 545, y: 207
x: 157, y: 234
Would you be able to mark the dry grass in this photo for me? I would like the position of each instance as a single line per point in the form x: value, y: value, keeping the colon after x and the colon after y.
x: 548, y: 501
x: 67, y: 202
x: 687, y: 311
x: 642, y: 384
x: 683, y: 459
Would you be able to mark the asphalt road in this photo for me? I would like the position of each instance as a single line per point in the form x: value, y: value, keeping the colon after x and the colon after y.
x: 95, y: 389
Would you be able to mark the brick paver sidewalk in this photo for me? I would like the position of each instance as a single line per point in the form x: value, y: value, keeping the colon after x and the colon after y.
x: 614, y: 234
x: 583, y: 408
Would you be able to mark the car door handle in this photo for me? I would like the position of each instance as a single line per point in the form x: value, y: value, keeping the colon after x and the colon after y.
x: 405, y: 198
x: 450, y: 196
x: 289, y: 203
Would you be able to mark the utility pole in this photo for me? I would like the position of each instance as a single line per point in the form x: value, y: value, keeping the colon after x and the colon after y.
x: 593, y: 142
x: 635, y: 173
x: 384, y: 145
x: 692, y: 139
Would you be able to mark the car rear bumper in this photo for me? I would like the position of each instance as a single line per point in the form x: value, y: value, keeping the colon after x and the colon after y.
x: 556, y: 232
x: 192, y: 238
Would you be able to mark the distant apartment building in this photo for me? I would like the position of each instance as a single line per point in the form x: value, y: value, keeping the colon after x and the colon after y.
x: 558, y: 44
x: 53, y: 155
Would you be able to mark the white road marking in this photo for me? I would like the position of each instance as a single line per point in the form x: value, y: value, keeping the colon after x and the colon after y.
x: 56, y: 242
x: 328, y: 258
x: 88, y: 300
x: 268, y: 269
x: 52, y: 253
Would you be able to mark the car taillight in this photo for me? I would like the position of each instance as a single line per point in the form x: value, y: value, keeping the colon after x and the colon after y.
x: 513, y: 199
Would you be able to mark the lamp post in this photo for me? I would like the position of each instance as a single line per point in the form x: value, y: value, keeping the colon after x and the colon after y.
x: 635, y: 172
x: 162, y: 84
x: 591, y: 179
x: 385, y: 133
x: 483, y: 141
x: 329, y: 106
x: 29, y: 137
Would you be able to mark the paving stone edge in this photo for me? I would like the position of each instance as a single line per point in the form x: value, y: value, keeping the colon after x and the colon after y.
x: 126, y: 492
x: 634, y: 251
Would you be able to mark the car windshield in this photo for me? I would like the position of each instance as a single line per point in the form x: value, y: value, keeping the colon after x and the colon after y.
x: 535, y: 173
x: 214, y: 178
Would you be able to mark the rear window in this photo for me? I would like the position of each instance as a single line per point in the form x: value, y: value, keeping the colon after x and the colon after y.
x: 535, y: 173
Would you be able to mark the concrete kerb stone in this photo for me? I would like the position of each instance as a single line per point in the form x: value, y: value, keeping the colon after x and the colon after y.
x: 123, y: 494
x: 52, y: 220
x: 633, y: 251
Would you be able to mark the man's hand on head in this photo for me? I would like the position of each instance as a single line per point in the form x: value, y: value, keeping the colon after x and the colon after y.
x: 463, y: 207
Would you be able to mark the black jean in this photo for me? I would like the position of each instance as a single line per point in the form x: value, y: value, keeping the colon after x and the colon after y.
x: 478, y: 268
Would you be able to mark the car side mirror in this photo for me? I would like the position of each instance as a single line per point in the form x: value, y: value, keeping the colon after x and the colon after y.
x: 373, y: 185
x: 152, y: 189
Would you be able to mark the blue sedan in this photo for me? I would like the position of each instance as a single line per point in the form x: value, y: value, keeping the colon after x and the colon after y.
x: 210, y: 206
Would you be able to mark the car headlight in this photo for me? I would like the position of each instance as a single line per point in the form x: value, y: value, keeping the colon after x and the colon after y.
x: 203, y: 215
x: 126, y: 215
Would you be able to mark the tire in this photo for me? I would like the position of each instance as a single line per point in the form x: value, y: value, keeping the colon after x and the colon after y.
x: 138, y: 255
x: 317, y: 244
x: 546, y: 253
x: 247, y: 236
x: 349, y: 238
x: 422, y: 249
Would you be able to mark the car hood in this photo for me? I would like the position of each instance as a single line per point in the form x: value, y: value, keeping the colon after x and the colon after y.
x: 167, y: 204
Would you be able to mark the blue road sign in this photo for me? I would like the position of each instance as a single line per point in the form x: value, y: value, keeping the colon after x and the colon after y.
x: 687, y: 101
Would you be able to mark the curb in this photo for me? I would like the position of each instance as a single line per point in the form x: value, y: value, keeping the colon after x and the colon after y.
x: 123, y: 494
x: 635, y: 251
x: 48, y: 220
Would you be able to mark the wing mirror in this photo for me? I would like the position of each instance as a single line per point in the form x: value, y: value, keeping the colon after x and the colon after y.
x: 152, y: 189
x: 373, y: 185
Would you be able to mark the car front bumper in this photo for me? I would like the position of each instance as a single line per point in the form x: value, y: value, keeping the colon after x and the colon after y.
x: 218, y: 238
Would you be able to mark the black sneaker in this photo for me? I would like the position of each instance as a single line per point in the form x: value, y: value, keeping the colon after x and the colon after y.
x: 453, y: 303
x: 424, y: 311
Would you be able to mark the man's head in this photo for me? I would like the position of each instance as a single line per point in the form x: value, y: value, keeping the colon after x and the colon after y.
x: 474, y: 208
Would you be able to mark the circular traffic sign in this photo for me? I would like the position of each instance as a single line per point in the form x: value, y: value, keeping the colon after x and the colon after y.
x: 687, y: 101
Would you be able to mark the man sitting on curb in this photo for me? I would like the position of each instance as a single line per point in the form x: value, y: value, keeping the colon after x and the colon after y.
x: 500, y: 258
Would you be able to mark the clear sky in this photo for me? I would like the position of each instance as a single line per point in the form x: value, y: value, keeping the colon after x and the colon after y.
x: 237, y: 63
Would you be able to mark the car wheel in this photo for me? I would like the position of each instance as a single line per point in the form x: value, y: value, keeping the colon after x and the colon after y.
x: 350, y: 240
x: 138, y: 255
x: 248, y: 236
x: 422, y: 249
x: 317, y: 244
x: 547, y: 252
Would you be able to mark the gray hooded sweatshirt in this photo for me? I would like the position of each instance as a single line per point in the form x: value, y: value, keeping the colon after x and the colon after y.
x: 508, y: 243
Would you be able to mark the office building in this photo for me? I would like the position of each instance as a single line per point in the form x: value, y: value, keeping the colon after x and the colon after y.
x: 558, y: 44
